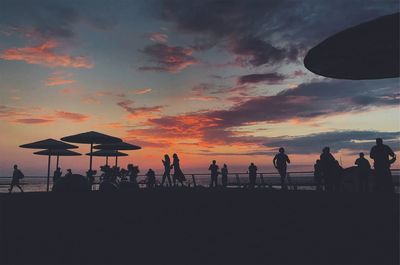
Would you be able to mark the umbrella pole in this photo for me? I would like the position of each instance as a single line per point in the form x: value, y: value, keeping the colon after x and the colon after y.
x: 116, y: 160
x: 58, y: 158
x: 91, y: 150
x: 48, y: 173
x: 106, y: 160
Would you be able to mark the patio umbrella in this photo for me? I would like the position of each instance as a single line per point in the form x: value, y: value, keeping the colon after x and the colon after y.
x: 117, y: 147
x: 58, y: 153
x: 367, y: 51
x: 107, y: 153
x: 49, y: 144
x: 91, y: 138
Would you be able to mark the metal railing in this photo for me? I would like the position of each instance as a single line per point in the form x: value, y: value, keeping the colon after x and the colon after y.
x: 295, y: 180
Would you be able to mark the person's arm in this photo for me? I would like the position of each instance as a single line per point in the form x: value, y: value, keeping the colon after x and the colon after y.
x: 274, y: 161
x: 371, y: 153
x: 390, y: 151
x: 287, y: 159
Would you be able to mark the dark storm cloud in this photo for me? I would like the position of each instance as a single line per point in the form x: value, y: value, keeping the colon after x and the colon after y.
x: 269, y: 78
x: 269, y: 32
x: 51, y: 19
x: 168, y: 58
x: 312, y: 100
x: 257, y: 51
x: 336, y: 140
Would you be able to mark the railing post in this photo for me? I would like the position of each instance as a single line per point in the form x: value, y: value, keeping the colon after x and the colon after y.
x: 194, y: 181
x: 262, y: 180
x: 237, y: 179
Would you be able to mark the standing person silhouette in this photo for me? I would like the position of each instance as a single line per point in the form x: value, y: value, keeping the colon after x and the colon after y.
x: 280, y: 163
x: 214, y: 174
x: 363, y: 172
x: 17, y: 175
x: 380, y: 154
x: 252, y: 175
x: 167, y: 170
x: 178, y: 174
x: 318, y: 175
x: 224, y: 173
x: 328, y: 167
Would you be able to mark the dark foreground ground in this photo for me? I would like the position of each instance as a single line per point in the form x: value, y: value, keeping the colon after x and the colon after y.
x: 184, y: 227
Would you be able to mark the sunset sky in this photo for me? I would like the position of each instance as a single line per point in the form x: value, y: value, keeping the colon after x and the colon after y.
x: 220, y: 80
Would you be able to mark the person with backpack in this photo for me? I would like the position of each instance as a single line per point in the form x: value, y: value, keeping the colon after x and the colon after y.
x: 17, y: 175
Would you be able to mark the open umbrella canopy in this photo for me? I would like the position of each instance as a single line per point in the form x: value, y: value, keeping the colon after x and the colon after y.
x: 367, y: 51
x: 57, y: 152
x: 91, y: 138
x: 107, y: 153
x: 117, y: 146
x: 49, y: 144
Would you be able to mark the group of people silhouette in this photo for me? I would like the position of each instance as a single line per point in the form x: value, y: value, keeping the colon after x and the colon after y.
x: 328, y: 173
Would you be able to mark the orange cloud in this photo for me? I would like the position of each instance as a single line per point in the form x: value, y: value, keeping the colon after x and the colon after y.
x: 44, y: 54
x: 34, y: 121
x: 77, y: 117
x: 142, y: 91
x: 58, y: 78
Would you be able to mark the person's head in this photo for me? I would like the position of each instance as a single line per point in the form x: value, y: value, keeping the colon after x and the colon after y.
x: 166, y: 157
x: 379, y: 141
x: 175, y: 156
x: 326, y: 149
x: 252, y: 164
x: 69, y: 170
x: 58, y: 168
x: 281, y: 150
x: 361, y: 154
x: 317, y: 161
x: 15, y: 166
x: 214, y: 161
x: 225, y: 165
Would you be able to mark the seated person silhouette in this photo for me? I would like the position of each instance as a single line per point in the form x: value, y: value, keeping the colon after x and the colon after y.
x: 151, y: 178
x: 380, y: 153
x: 280, y: 162
x: 214, y: 174
x: 57, y: 175
x: 363, y: 172
x: 17, y: 175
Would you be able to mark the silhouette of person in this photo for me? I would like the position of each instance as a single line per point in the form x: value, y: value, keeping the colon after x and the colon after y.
x: 252, y: 175
x: 57, y: 175
x: 178, y: 174
x: 133, y: 172
x: 214, y: 174
x: 90, y: 176
x: 328, y: 167
x: 363, y: 172
x: 69, y: 173
x: 383, y: 176
x: 224, y: 173
x: 151, y: 178
x: 167, y: 170
x: 318, y: 175
x: 280, y: 162
x: 17, y: 175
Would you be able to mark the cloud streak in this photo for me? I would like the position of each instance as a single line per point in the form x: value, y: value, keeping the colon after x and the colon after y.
x: 44, y: 54
x: 167, y: 58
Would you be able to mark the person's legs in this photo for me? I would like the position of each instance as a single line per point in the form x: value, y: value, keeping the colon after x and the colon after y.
x: 20, y: 188
x: 282, y: 173
x: 169, y: 179
x: 11, y: 187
